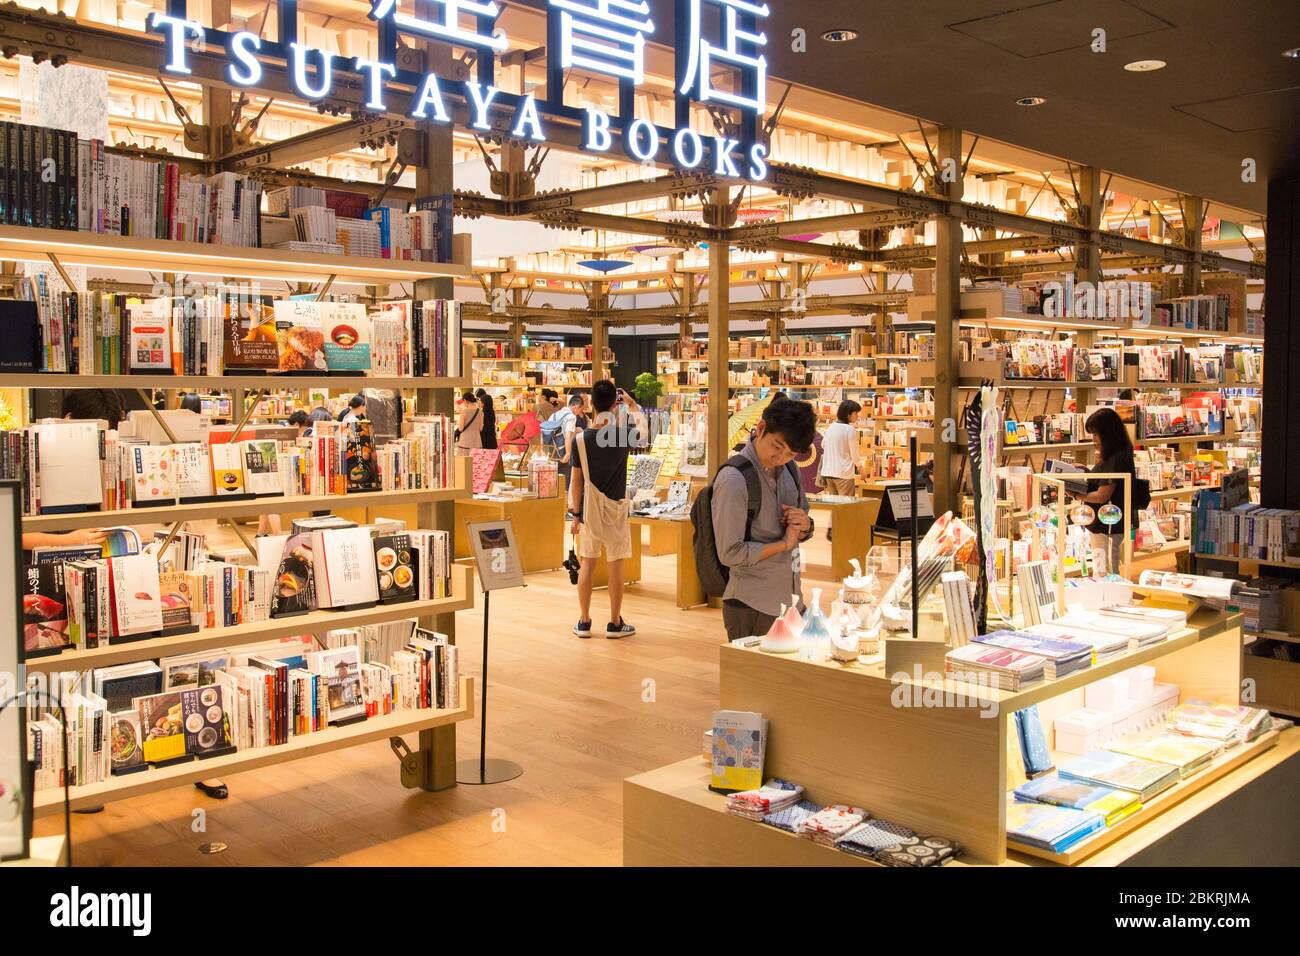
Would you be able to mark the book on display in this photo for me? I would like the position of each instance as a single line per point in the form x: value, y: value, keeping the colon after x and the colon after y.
x: 1104, y: 646
x: 1107, y: 768
x: 981, y: 663
x: 1187, y: 754
x: 1050, y: 827
x: 1111, y: 804
x: 1061, y: 657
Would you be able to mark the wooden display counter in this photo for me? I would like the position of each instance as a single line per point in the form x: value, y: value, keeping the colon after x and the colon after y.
x: 677, y: 537
x: 931, y: 753
x: 538, y: 523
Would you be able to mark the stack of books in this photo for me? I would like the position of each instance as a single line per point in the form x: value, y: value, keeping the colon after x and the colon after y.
x: 1221, y: 722
x: 1106, y: 768
x: 999, y: 667
x: 1113, y: 805
x: 1060, y: 657
x: 1050, y: 827
x: 1187, y: 754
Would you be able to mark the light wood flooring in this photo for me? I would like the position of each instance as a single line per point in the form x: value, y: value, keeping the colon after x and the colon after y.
x: 578, y: 715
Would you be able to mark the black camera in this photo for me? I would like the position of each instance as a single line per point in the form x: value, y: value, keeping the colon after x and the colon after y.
x: 572, y: 565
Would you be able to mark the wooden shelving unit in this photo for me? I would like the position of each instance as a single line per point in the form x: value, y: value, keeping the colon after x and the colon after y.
x: 332, y: 738
x: 73, y: 380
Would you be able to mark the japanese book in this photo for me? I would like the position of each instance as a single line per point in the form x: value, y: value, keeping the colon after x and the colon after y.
x: 341, y: 668
x: 68, y: 453
x: 249, y: 336
x: 193, y: 470
x: 150, y: 337
x: 1049, y: 827
x: 261, y: 467
x: 1062, y: 657
x: 344, y: 568
x: 739, y: 746
x: 162, y: 725
x: 300, y: 341
x: 123, y: 683
x: 177, y: 593
x: 137, y: 606
x: 227, y: 468
x: 1146, y: 778
x: 294, y: 590
x: 204, y: 719
x: 395, y: 565
x: 45, y: 608
x: 1188, y: 754
x: 362, y: 465
x: 153, y: 474
x: 126, y: 748
x: 346, y: 330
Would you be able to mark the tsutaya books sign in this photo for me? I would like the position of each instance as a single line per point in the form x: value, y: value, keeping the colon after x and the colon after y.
x: 605, y: 37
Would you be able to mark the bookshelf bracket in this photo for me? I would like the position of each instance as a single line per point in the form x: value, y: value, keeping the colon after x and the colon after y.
x: 148, y: 403
x: 242, y: 535
x: 324, y: 290
x: 414, y: 764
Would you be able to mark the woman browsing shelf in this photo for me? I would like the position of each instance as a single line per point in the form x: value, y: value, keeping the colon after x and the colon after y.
x: 469, y: 424
x: 1114, y: 455
x: 489, y: 433
x: 840, y: 450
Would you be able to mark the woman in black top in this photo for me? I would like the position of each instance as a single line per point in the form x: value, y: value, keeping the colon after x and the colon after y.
x: 1114, y: 455
x: 489, y: 419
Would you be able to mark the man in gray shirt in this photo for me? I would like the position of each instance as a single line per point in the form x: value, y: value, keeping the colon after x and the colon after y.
x: 764, y: 564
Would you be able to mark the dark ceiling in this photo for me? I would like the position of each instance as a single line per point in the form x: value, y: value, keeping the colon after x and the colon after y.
x: 1226, y: 95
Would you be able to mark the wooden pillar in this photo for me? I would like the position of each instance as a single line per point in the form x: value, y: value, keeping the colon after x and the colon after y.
x: 598, y: 339
x: 1193, y: 220
x: 1087, y: 264
x: 433, y: 177
x: 947, y: 287
x: 719, y: 298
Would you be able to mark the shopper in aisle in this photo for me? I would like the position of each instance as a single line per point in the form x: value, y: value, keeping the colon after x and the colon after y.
x: 1114, y: 455
x: 599, y: 502
x: 469, y: 424
x: 300, y: 421
x: 573, y: 420
x: 547, y: 405
x: 356, y: 409
x: 761, y: 553
x: 489, y: 433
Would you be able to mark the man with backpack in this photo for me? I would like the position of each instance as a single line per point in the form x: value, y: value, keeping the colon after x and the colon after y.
x: 750, y: 521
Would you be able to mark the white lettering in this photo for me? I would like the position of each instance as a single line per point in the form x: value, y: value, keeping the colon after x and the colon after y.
x: 528, y: 117
x: 481, y: 103
x: 722, y: 164
x: 240, y: 47
x: 298, y: 71
x: 175, y: 28
x: 680, y: 138
x: 375, y: 73
x: 757, y: 161
x: 430, y: 95
x: 641, y: 139
x: 596, y: 131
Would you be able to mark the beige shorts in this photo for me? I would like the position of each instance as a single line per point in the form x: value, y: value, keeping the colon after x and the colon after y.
x: 616, y: 542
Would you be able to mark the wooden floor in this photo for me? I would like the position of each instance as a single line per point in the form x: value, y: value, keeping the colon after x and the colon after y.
x: 578, y: 715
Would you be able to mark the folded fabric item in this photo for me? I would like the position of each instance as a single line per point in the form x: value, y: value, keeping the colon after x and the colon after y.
x: 873, y: 835
x: 790, y: 818
x: 830, y: 823
x: 772, y: 796
x: 918, y: 851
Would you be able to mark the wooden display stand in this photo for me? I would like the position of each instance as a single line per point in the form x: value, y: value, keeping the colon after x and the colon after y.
x: 678, y: 537
x: 538, y: 522
x: 931, y: 754
x: 850, y: 524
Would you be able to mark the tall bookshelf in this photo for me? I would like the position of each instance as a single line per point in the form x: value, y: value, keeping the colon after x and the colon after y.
x: 419, y: 768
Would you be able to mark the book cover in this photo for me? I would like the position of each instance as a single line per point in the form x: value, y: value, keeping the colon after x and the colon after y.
x: 1188, y: 754
x: 65, y: 450
x: 20, y: 349
x: 150, y: 337
x: 300, y: 341
x: 204, y: 718
x: 261, y: 467
x: 163, y: 726
x: 346, y: 331
x: 45, y: 608
x: 193, y: 466
x: 344, y: 568
x: 177, y: 599
x: 126, y: 749
x: 341, y: 669
x: 1050, y: 827
x: 395, y: 565
x: 1122, y: 772
x: 249, y: 337
x: 123, y: 683
x: 362, y: 467
x: 739, y: 742
x: 153, y: 473
x: 137, y: 603
x: 294, y: 591
x: 227, y: 468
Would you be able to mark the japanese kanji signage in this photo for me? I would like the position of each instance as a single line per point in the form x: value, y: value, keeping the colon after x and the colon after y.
x: 601, y: 37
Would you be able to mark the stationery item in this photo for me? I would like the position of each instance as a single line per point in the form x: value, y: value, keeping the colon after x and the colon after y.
x: 1037, y: 596
x: 1060, y: 657
x: 1112, y: 804
x: 1049, y: 827
x: 1104, y: 646
x: 483, y: 465
x: 739, y: 744
x: 958, y: 608
x: 918, y: 851
x: 1107, y: 768
x: 1007, y: 669
x: 1199, y: 718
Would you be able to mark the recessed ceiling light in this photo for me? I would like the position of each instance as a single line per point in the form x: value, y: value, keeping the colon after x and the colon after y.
x: 1145, y: 66
x: 840, y: 36
x: 1292, y: 54
x: 1031, y: 101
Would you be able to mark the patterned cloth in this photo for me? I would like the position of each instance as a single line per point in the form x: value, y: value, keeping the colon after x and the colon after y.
x: 829, y: 824
x: 918, y: 851
x: 866, y: 838
x: 790, y: 818
x: 773, y: 796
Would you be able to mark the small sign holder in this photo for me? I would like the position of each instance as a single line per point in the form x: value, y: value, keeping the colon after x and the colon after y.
x: 497, y: 556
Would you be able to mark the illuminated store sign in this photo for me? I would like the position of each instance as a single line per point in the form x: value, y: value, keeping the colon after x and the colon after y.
x: 605, y: 37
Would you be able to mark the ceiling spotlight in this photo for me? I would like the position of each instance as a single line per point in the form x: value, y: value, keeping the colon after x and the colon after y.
x: 1145, y: 66
x: 1292, y: 54
x: 1031, y: 101
x: 839, y: 36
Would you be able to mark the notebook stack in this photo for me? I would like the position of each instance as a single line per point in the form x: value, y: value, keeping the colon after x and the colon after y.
x: 1142, y: 632
x: 1187, y: 754
x: 1119, y: 771
x: 1060, y: 657
x: 1225, y: 723
x: 1048, y: 827
x: 982, y: 664
x: 1113, y: 805
x: 774, y: 796
x: 1105, y: 646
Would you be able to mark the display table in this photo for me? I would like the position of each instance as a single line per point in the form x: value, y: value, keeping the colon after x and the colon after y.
x: 931, y: 754
x: 850, y: 525
x: 679, y: 537
x: 538, y: 523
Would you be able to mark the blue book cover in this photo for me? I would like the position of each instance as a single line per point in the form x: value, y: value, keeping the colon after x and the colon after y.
x: 1051, y: 648
x: 1061, y: 793
x: 1049, y: 827
x: 1033, y: 741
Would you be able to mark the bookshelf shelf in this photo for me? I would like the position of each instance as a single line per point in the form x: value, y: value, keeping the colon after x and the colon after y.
x: 341, y: 382
x: 310, y: 623
x: 235, y: 509
x: 26, y: 243
x: 307, y: 745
